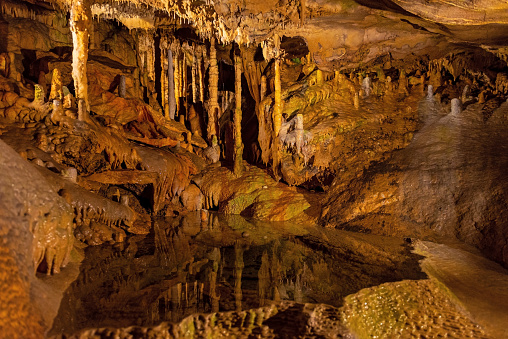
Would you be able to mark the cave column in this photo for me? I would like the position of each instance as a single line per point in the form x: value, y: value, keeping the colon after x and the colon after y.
x: 277, y: 117
x: 237, y: 118
x: 80, y: 24
x: 200, y: 74
x: 171, y: 87
x: 176, y: 79
x: 213, y: 87
x: 194, y: 78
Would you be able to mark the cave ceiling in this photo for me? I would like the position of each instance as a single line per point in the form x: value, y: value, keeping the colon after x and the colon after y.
x: 339, y: 33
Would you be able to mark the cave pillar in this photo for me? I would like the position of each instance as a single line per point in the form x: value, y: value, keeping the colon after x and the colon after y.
x: 277, y: 109
x: 194, y: 77
x: 213, y: 87
x: 80, y: 24
x: 277, y: 118
x: 171, y: 87
x: 184, y: 83
x: 176, y: 79
x: 200, y: 75
x: 237, y: 118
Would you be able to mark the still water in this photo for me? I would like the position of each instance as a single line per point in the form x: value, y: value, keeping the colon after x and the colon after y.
x: 186, y: 266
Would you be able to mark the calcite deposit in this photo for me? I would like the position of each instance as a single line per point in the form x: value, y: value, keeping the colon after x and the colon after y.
x: 189, y: 168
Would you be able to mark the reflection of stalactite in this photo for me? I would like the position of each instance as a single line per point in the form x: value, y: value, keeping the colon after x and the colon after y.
x: 239, y: 264
x: 161, y: 245
x: 276, y: 271
x: 213, y: 280
x: 263, y: 279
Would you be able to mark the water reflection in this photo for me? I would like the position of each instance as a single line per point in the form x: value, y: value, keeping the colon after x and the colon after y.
x: 222, y: 263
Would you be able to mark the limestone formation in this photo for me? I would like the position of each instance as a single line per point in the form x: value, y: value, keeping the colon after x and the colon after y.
x: 253, y: 168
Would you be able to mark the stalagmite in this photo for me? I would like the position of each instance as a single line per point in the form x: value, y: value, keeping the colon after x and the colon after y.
x: 57, y: 112
x: 481, y: 97
x: 430, y: 92
x: 80, y: 21
x: 356, y: 100
x: 237, y: 119
x: 213, y: 87
x: 465, y: 93
x: 38, y: 96
x: 56, y: 86
x: 319, y: 77
x: 171, y: 86
x: 367, y: 85
x: 456, y: 106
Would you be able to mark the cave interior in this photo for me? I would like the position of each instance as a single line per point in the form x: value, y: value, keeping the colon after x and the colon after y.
x: 247, y: 169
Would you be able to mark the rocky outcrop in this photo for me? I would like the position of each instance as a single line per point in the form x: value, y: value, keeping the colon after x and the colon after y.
x: 455, y: 165
x: 36, y: 232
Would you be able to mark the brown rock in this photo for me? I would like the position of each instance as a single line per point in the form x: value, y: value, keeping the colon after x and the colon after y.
x: 192, y: 198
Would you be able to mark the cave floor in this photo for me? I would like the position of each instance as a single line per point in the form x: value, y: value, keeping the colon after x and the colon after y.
x: 316, y: 277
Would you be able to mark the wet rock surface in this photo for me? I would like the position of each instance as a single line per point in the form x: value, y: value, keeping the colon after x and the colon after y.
x: 456, y: 165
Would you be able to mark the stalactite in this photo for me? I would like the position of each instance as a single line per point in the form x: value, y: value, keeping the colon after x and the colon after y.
x: 171, y: 86
x: 194, y: 78
x: 176, y: 65
x: 80, y: 21
x: 213, y: 87
x: 184, y: 82
x: 200, y: 75
x: 237, y: 120
x: 163, y: 45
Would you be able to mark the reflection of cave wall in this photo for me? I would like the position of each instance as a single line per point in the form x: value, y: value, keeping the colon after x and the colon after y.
x: 170, y: 271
